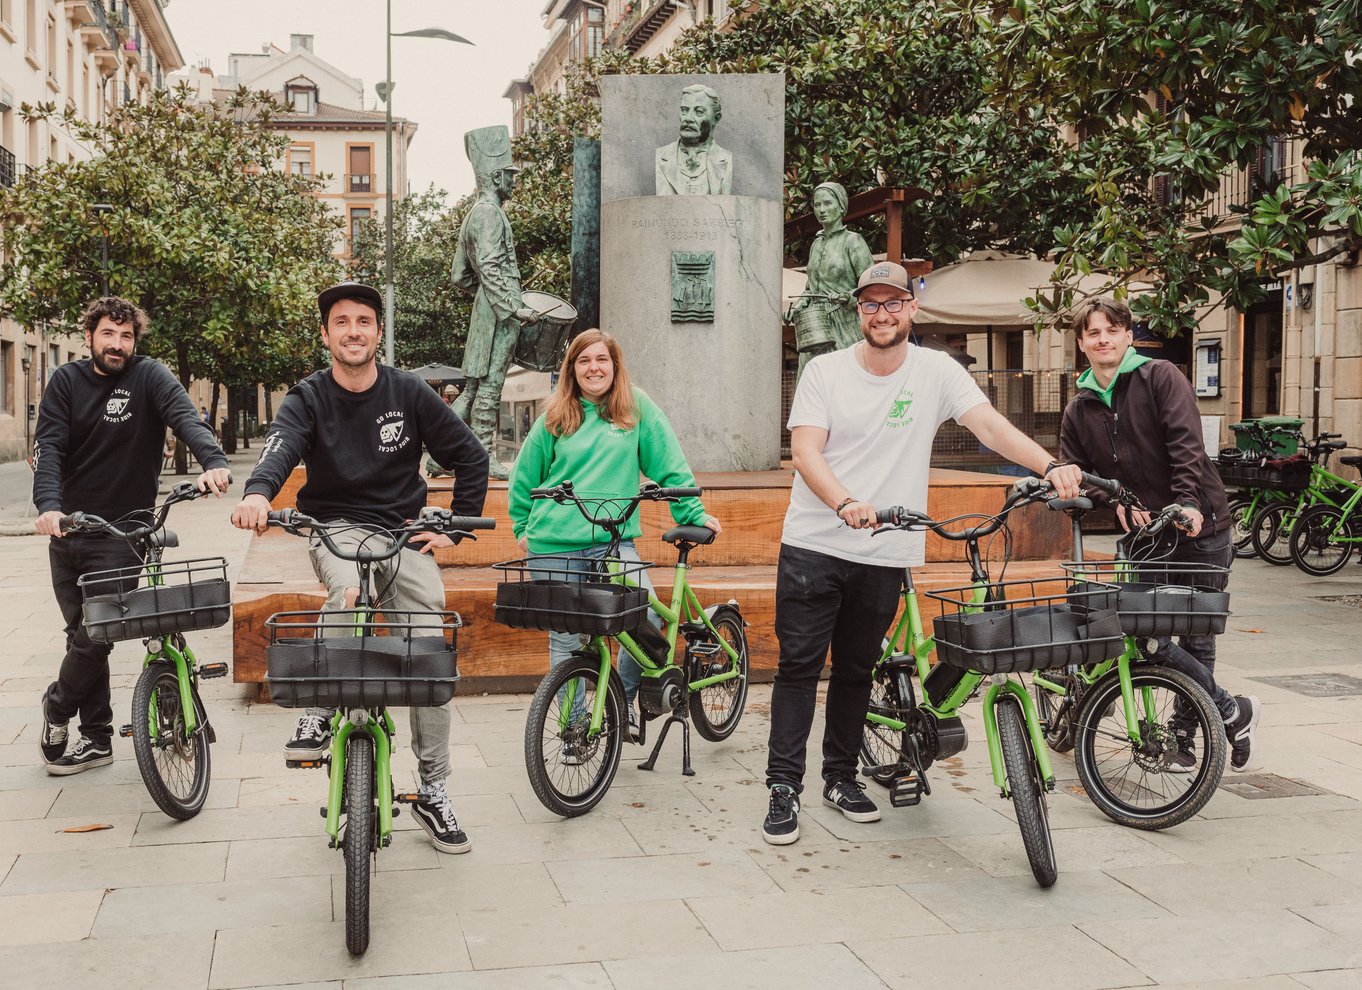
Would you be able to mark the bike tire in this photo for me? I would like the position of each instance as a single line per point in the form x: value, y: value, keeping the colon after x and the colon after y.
x: 1271, y: 529
x: 553, y: 736
x: 175, y: 768
x: 892, y: 696
x: 1241, y: 527
x: 1314, y: 546
x: 1157, y: 798
x: 717, y: 709
x: 1027, y: 790
x: 1056, y: 719
x: 358, y: 842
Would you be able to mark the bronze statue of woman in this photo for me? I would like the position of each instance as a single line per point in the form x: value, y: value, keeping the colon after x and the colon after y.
x: 825, y: 319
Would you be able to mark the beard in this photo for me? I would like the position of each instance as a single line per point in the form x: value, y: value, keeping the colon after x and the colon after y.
x: 899, y: 337
x: 101, y: 360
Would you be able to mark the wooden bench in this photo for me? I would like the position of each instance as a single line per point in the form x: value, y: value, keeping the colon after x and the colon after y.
x: 277, y: 576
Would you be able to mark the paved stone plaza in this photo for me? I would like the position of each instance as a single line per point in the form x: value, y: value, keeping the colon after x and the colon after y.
x: 668, y: 883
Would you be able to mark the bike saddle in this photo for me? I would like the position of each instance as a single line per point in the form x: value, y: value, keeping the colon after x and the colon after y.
x: 163, y: 538
x: 1060, y: 504
x: 1353, y: 460
x: 698, y: 535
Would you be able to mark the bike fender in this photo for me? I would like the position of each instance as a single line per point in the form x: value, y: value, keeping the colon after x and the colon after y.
x: 202, y: 713
x: 730, y: 606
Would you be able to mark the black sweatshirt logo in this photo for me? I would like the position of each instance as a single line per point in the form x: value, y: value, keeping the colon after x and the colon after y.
x: 116, y: 409
x: 391, y: 433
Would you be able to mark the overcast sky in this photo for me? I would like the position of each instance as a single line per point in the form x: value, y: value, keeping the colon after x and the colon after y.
x: 446, y: 88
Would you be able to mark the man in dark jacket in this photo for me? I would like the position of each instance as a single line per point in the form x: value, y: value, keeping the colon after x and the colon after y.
x: 98, y: 449
x: 1135, y: 419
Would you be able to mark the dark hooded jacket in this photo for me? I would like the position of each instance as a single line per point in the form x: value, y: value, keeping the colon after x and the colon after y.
x: 1149, y: 440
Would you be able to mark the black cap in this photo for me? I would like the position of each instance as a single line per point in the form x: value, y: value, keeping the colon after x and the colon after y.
x: 349, y: 290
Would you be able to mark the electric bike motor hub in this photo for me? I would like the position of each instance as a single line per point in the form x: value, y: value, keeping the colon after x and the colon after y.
x: 663, y: 694
x: 939, y: 738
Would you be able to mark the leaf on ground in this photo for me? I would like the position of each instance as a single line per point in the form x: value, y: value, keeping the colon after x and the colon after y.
x: 93, y: 827
x: 1249, y: 630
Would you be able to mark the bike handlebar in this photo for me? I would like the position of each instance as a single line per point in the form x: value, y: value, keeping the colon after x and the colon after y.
x: 430, y: 520
x: 647, y: 492
x: 85, y: 522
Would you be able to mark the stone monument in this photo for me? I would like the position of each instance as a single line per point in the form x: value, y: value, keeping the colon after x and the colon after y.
x: 692, y: 236
x: 484, y: 264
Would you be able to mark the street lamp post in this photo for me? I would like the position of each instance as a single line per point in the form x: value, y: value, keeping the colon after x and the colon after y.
x: 385, y: 93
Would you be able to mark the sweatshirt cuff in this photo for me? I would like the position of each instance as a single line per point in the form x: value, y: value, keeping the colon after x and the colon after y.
x: 49, y: 505
x: 259, y: 488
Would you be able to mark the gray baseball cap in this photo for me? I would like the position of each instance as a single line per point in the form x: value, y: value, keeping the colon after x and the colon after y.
x: 885, y: 273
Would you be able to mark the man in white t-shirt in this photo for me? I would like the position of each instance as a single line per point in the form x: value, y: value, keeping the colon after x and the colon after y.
x: 861, y: 432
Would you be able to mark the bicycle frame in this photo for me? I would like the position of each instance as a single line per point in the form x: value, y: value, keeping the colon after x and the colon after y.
x: 182, y: 657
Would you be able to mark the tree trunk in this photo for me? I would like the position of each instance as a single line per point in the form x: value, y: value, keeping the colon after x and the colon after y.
x: 269, y: 407
x: 249, y: 404
x: 213, y: 407
x: 229, y: 423
x: 186, y: 373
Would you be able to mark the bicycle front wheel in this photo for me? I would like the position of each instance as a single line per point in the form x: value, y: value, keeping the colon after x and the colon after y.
x: 1316, y: 541
x: 1056, y: 713
x: 571, y: 767
x: 1141, y: 784
x: 717, y: 709
x: 358, y: 841
x: 173, y: 764
x: 1027, y: 789
x: 1271, y: 531
x: 882, y: 747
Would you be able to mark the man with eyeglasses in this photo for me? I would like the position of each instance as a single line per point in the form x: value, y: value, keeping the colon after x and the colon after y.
x: 861, y: 431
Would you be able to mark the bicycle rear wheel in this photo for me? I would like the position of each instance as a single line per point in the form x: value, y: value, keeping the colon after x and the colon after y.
x: 891, y: 696
x: 358, y: 841
x: 570, y: 768
x: 717, y: 709
x: 1315, y: 540
x: 1027, y: 789
x: 1242, y: 508
x: 1271, y: 531
x: 174, y: 765
x: 1137, y: 784
x: 1056, y: 712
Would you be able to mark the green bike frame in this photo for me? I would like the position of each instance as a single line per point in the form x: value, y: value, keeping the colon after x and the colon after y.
x: 183, y: 659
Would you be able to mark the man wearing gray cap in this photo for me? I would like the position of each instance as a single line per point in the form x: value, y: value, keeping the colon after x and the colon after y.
x: 484, y: 263
x: 861, y: 431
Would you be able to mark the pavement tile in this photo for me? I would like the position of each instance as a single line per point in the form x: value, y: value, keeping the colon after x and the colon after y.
x: 988, y: 960
x: 461, y: 884
x: 989, y: 904
x: 1345, y: 865
x: 1203, y: 888
x: 399, y: 943
x: 29, y: 802
x: 587, y: 837
x: 33, y: 919
x: 1239, y: 840
x: 45, y: 834
x: 583, y: 976
x: 546, y: 935
x: 802, y: 867
x: 1335, y: 979
x: 801, y: 919
x: 810, y: 967
x: 115, y: 868
x: 120, y: 799
x: 1076, y: 849
x: 1342, y: 919
x: 259, y: 859
x: 151, y: 962
x: 227, y: 824
x: 214, y: 906
x: 1223, y: 945
x: 641, y: 878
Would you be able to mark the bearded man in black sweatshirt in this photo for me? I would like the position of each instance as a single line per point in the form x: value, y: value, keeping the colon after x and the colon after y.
x: 359, y: 426
x: 98, y: 449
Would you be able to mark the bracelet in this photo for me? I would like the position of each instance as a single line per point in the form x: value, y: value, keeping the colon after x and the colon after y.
x: 843, y: 504
x: 1052, y: 465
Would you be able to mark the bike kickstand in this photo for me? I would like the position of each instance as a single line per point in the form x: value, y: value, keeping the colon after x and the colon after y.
x: 662, y: 737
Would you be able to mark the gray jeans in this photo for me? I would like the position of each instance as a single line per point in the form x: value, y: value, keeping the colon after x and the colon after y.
x: 410, y: 581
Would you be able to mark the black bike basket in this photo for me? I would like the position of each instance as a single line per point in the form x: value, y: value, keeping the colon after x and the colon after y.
x: 1286, y: 475
x: 187, y: 595
x: 338, y: 660
x: 1161, y: 598
x: 548, y: 593
x: 1038, y: 624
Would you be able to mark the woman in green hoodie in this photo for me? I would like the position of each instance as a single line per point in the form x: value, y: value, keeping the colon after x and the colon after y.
x: 600, y: 433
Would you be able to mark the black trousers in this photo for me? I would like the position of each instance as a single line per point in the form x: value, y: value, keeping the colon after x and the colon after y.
x: 825, y: 602
x: 82, y: 684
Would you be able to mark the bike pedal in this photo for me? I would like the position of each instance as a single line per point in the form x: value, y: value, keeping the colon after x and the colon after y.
x: 904, y: 792
x: 407, y: 797
x: 208, y: 671
x: 305, y: 764
x: 703, y: 649
x: 126, y: 731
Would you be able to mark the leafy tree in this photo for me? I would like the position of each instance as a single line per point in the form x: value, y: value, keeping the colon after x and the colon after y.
x: 1163, y: 99
x: 223, y: 248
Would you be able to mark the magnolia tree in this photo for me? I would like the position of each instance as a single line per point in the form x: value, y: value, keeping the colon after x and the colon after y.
x: 222, y: 247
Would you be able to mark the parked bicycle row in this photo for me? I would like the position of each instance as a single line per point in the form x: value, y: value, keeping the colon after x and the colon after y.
x: 1080, y: 659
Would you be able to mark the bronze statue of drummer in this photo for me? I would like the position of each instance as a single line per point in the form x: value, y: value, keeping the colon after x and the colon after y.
x: 485, y: 264
x: 825, y: 317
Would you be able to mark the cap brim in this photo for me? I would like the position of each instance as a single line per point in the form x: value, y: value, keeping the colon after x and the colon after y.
x: 856, y: 292
x: 352, y: 290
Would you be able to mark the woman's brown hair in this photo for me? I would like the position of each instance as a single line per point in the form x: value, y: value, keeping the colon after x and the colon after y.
x: 563, y: 417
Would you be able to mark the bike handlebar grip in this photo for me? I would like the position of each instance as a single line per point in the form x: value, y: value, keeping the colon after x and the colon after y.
x: 692, y: 492
x: 283, y: 517
x: 890, y: 516
x: 543, y: 492
x: 1102, y: 484
x: 473, y: 522
x: 71, y: 521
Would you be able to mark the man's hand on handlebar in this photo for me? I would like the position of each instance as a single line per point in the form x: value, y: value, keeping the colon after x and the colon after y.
x: 216, y: 480
x: 252, y: 512
x: 1132, y: 518
x: 429, y: 541
x: 1066, y: 479
x: 49, y: 524
x: 859, y: 515
x: 1191, y: 521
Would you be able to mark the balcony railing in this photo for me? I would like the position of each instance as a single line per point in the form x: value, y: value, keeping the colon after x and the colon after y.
x: 359, y: 183
x: 7, y: 170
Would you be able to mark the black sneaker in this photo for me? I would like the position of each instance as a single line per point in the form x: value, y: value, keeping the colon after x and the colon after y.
x: 434, y: 813
x: 634, y: 734
x: 1241, y: 730
x: 85, y: 755
x: 848, y: 797
x: 1182, y: 759
x: 571, y: 755
x: 782, y: 820
x: 311, y: 738
x: 51, y: 736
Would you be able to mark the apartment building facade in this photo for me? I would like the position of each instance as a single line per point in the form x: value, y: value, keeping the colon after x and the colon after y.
x: 88, y: 56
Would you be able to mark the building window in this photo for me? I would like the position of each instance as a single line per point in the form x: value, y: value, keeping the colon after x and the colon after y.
x: 302, y: 99
x: 31, y: 27
x: 361, y: 168
x: 6, y: 377
x: 358, y: 214
x: 300, y: 159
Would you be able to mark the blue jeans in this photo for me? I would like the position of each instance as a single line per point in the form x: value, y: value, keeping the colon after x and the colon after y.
x: 563, y: 645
